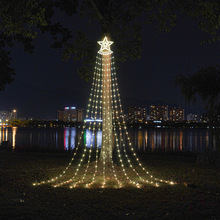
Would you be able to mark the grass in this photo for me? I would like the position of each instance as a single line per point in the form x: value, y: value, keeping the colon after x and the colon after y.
x: 197, y: 196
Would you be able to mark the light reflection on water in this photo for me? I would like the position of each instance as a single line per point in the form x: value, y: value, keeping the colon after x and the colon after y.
x: 192, y: 140
x: 14, y: 131
x: 93, y: 140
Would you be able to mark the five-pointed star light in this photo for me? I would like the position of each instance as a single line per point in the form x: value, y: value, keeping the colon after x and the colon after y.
x: 105, y: 44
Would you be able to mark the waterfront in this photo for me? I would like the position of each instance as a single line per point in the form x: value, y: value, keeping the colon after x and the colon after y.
x: 144, y: 140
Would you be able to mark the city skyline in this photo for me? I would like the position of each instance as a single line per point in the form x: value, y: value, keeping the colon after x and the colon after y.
x: 133, y: 114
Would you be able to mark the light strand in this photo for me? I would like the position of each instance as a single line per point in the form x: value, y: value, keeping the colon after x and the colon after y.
x: 93, y: 115
x: 98, y: 109
x: 84, y: 126
x: 93, y: 91
x: 78, y: 144
x: 126, y: 132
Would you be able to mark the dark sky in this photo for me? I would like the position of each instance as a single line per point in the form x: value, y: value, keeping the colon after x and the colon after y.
x: 44, y: 83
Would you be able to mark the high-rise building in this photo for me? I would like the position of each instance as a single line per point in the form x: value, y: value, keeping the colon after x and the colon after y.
x: 136, y: 114
x: 158, y: 112
x: 194, y: 117
x: 70, y: 114
x: 176, y: 114
x: 4, y: 115
x: 190, y: 117
x: 80, y: 112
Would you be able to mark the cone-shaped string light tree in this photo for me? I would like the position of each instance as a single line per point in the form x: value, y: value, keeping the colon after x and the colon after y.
x: 105, y: 113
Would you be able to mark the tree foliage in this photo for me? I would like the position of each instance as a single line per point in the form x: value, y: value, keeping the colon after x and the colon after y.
x: 206, y: 84
x: 20, y: 21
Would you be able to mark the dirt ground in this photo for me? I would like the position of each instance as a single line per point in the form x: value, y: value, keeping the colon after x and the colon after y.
x: 196, y: 196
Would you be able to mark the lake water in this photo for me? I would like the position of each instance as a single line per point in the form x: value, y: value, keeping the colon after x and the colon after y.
x: 185, y: 140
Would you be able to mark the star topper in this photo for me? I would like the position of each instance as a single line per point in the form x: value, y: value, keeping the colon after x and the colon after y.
x: 105, y: 46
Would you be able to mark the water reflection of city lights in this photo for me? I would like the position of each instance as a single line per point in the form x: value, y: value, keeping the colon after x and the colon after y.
x: 181, y: 140
x: 3, y: 135
x: 69, y: 138
x: 66, y: 138
x: 56, y: 138
x: 165, y: 140
x: 99, y: 139
x: 91, y: 140
x: 151, y: 139
x: 146, y: 140
x: 139, y: 139
x: 14, y: 131
x: 72, y: 137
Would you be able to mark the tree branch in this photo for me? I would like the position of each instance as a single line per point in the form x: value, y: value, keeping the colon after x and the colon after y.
x: 97, y: 10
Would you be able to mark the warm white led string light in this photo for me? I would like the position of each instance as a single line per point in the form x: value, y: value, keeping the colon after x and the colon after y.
x: 93, y: 91
x: 98, y: 109
x: 106, y: 63
x: 114, y: 80
x: 95, y: 106
x: 78, y: 144
x: 113, y: 168
x: 117, y: 118
x: 120, y: 158
x: 93, y: 116
x: 96, y: 163
x: 89, y: 157
x: 105, y: 46
x: 99, y: 98
x: 88, y: 162
x: 78, y: 167
x: 104, y: 116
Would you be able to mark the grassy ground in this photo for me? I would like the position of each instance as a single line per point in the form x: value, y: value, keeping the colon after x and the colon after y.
x: 197, y: 196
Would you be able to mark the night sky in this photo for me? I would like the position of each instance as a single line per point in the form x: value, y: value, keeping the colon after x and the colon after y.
x: 44, y: 83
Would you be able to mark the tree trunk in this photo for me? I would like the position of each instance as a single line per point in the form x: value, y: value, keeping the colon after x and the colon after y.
x: 107, y: 133
x: 106, y: 151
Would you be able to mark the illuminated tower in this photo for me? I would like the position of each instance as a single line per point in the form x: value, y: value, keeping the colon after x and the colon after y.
x: 14, y: 114
x: 105, y: 51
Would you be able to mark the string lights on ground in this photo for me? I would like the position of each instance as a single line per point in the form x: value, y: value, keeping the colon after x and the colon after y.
x: 104, y: 113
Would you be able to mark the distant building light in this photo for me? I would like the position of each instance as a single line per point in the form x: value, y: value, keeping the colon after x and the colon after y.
x: 14, y: 110
x: 73, y: 107
x: 91, y: 120
x: 67, y: 107
x: 156, y: 121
